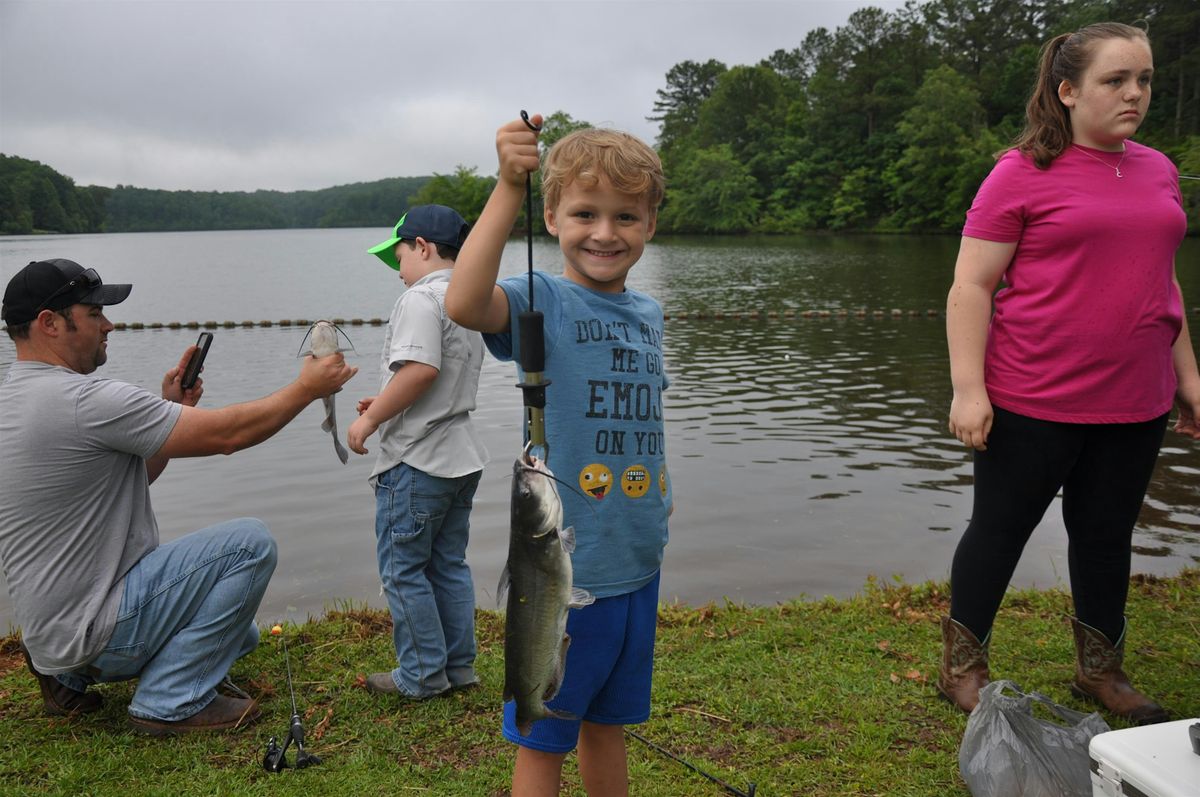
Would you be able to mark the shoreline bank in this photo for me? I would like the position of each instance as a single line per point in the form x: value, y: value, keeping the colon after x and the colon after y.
x: 824, y: 697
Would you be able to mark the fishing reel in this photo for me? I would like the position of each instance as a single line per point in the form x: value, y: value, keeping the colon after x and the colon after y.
x: 275, y: 758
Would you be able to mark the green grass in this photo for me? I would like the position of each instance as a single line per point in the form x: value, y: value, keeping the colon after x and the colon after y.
x: 828, y: 697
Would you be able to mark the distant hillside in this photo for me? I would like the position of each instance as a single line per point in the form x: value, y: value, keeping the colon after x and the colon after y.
x: 36, y: 198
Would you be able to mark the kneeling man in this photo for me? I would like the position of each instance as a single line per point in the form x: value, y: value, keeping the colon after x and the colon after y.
x: 97, y: 597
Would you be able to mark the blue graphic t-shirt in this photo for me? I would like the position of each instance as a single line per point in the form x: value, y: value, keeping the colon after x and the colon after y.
x: 604, y: 424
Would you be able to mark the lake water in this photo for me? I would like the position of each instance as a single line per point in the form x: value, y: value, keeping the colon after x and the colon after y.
x: 806, y: 453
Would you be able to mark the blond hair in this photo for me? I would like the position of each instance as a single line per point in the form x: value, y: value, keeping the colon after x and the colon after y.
x: 592, y: 154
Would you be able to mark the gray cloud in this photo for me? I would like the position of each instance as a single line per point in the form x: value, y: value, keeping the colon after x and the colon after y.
x: 303, y: 94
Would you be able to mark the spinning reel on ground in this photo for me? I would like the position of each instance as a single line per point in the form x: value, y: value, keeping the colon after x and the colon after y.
x: 275, y: 758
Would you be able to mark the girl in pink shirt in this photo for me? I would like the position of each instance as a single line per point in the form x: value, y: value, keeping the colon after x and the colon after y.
x: 1064, y: 377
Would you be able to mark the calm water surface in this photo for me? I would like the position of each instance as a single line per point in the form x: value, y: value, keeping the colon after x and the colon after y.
x: 806, y: 453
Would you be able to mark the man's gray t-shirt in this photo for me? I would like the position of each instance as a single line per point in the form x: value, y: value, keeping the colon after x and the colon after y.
x: 75, y: 510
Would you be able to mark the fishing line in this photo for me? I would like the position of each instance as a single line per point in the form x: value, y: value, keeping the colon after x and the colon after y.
x: 532, y: 339
x: 553, y: 478
x: 731, y: 789
x: 529, y: 210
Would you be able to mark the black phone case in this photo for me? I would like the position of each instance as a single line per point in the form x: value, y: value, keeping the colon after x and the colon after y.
x: 197, y: 361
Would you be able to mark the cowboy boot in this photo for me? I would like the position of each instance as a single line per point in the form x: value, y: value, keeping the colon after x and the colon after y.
x: 964, y: 669
x: 1099, y: 677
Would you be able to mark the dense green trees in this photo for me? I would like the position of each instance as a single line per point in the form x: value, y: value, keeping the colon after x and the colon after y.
x: 942, y: 132
x: 711, y: 191
x: 35, y: 197
x: 891, y: 121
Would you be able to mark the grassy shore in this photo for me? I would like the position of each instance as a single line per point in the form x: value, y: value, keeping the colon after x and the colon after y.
x: 825, y: 697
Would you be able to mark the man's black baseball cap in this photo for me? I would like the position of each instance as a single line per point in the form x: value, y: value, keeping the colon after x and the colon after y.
x: 53, y: 285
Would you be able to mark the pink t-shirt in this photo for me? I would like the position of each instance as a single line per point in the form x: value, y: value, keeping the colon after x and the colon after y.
x: 1084, y: 323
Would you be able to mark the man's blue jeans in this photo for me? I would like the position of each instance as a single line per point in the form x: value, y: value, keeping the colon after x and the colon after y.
x: 186, y: 615
x: 422, y: 523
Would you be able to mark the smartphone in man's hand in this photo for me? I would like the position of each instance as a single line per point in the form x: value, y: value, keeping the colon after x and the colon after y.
x: 196, y: 361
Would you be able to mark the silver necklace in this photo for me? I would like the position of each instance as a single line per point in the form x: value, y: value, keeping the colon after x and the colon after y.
x: 1116, y: 168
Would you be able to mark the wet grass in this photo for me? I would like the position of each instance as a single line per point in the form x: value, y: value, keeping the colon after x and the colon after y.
x: 824, y: 697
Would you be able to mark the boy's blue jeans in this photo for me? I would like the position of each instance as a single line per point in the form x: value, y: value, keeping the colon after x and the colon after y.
x: 187, y: 614
x: 422, y: 523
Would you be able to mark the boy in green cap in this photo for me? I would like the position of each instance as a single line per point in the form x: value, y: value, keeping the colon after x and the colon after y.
x: 429, y: 462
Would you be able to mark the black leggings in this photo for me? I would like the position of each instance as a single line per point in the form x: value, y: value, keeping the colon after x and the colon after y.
x: 1103, y: 470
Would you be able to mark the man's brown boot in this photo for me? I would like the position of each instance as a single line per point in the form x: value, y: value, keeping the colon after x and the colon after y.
x: 221, y: 714
x: 964, y: 669
x: 1099, y: 677
x: 60, y: 700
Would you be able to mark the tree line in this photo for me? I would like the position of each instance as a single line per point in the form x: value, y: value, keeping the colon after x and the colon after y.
x: 887, y: 123
x: 36, y: 198
x: 891, y: 121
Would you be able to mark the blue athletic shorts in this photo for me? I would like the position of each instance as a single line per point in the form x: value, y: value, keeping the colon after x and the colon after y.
x: 609, y: 666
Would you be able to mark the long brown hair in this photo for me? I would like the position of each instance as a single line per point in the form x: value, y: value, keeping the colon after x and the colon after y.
x: 1047, y: 131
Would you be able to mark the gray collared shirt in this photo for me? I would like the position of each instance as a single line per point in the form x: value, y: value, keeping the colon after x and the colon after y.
x: 435, y: 434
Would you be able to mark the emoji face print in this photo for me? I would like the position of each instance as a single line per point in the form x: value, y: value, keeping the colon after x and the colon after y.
x: 596, y: 480
x: 662, y: 481
x: 635, y: 481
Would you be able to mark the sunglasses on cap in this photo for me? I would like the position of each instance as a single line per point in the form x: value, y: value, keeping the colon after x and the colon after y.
x: 88, y: 278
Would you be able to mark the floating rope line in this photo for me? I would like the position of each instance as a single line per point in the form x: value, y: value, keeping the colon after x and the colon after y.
x: 285, y: 322
x: 754, y: 315
x: 683, y: 315
x: 842, y: 314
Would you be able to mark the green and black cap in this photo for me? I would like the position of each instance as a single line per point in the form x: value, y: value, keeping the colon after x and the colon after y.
x: 437, y: 224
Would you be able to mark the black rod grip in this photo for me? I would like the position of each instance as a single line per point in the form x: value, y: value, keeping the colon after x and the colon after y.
x: 533, y: 341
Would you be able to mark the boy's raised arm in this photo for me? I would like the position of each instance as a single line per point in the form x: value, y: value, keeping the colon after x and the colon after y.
x: 473, y: 298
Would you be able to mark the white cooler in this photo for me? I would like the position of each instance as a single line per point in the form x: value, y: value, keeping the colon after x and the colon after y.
x: 1152, y: 761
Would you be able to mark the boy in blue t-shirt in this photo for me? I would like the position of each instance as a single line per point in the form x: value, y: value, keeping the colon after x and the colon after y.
x: 604, y: 425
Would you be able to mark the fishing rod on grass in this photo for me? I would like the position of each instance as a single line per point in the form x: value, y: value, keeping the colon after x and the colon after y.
x: 532, y: 339
x: 736, y: 792
x: 275, y: 759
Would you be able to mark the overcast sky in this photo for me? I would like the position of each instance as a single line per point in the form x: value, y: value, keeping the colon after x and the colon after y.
x: 235, y: 95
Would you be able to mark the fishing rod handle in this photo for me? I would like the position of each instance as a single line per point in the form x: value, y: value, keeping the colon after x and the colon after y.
x: 533, y: 341
x: 296, y: 731
x: 533, y: 362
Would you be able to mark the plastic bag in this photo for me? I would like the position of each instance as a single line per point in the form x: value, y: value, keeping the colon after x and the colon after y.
x: 1008, y: 752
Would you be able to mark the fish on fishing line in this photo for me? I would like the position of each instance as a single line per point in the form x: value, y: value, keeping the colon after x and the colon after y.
x: 324, y: 337
x: 538, y: 580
